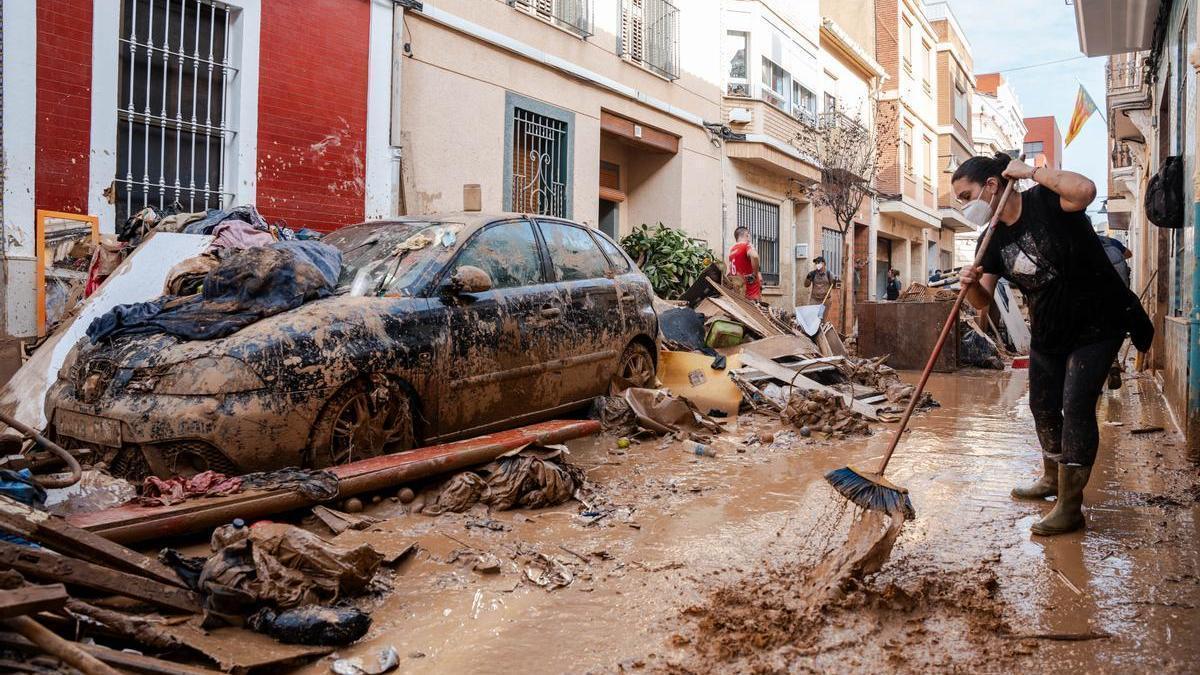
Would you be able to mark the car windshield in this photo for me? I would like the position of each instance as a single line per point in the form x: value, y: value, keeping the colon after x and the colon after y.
x: 390, y: 259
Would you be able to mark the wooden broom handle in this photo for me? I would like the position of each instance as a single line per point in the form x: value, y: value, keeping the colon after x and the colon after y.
x: 941, y: 341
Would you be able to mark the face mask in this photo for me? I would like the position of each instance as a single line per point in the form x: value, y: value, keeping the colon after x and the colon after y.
x: 820, y: 266
x: 978, y: 211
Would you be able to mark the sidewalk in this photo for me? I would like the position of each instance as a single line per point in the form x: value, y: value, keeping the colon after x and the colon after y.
x: 692, y: 572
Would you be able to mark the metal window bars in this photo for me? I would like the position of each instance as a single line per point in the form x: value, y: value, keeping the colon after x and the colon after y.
x: 649, y: 35
x: 173, y: 123
x: 833, y: 245
x: 762, y: 219
x: 572, y: 15
x: 539, y: 164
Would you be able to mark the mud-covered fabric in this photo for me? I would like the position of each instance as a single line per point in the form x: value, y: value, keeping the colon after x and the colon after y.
x: 524, y: 480
x: 1075, y: 295
x: 245, y: 287
x: 1063, y: 390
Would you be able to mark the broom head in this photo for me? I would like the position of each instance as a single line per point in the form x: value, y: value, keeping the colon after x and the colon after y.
x: 871, y: 491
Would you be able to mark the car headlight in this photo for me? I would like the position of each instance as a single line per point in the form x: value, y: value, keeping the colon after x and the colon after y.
x: 206, y: 376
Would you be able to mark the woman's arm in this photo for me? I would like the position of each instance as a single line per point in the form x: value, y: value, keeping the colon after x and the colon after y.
x: 1075, y: 191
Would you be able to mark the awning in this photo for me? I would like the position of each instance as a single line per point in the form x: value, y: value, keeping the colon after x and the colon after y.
x: 955, y: 221
x: 910, y: 214
x: 1115, y: 26
x: 774, y: 156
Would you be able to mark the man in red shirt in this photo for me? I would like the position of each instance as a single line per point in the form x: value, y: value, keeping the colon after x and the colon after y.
x: 744, y: 262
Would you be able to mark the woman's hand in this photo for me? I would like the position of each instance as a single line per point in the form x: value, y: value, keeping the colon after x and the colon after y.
x: 1018, y: 170
x: 969, y: 275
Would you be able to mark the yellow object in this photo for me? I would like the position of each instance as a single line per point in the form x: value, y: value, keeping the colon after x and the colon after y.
x: 689, y: 375
x: 622, y: 443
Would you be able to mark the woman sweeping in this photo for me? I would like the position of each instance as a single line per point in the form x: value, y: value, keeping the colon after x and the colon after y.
x: 1079, y: 309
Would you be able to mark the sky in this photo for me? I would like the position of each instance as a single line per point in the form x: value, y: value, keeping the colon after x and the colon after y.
x: 1008, y: 34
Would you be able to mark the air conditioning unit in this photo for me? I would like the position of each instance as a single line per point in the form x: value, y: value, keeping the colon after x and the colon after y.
x: 801, y: 251
x: 740, y: 116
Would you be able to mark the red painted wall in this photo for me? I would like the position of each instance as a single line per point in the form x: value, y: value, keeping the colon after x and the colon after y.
x: 64, y: 104
x: 312, y: 114
x: 1045, y: 129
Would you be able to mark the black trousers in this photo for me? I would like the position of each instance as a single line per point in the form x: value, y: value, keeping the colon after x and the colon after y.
x: 1063, y: 390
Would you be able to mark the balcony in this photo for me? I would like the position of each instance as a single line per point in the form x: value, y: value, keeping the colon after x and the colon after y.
x: 650, y: 35
x: 573, y: 16
x: 770, y: 136
x: 1127, y: 91
x: 840, y: 120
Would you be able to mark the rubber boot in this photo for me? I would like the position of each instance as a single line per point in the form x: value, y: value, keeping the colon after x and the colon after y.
x: 1046, y: 486
x: 1114, y: 378
x: 1067, y: 514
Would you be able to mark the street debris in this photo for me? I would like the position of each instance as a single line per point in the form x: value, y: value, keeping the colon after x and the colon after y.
x: 825, y: 413
x: 387, y: 660
x: 312, y: 625
x: 531, y: 477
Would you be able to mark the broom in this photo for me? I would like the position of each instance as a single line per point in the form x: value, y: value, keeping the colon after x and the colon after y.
x: 870, y: 490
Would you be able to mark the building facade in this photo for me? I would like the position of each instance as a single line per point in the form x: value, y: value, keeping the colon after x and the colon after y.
x: 1151, y: 105
x: 998, y: 122
x: 909, y: 234
x: 191, y: 103
x: 1043, y: 142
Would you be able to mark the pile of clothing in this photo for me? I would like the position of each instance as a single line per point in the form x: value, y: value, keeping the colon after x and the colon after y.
x: 532, y: 477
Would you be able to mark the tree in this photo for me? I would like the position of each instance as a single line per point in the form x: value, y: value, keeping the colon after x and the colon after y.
x: 848, y: 149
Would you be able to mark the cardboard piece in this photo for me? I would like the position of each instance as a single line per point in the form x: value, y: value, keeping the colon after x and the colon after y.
x: 139, y: 278
x: 689, y: 375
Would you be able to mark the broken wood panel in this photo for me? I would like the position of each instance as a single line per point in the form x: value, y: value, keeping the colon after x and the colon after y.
x: 31, y: 600
x: 42, y: 564
x: 240, y: 650
x: 907, y: 332
x: 58, y: 535
x: 746, y: 311
x: 786, y: 375
x: 127, y: 661
x: 132, y: 523
x: 778, y: 346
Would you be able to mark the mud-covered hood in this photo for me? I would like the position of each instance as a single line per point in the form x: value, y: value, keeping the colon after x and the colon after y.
x: 311, y: 339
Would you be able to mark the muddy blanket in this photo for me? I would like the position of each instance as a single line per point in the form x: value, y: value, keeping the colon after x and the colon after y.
x: 281, y: 566
x: 533, y: 478
x: 159, y: 492
x: 247, y: 286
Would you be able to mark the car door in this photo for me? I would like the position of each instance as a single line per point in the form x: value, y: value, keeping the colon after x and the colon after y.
x: 489, y: 371
x: 591, y: 328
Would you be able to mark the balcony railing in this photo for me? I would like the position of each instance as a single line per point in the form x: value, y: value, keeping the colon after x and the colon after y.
x: 1122, y: 157
x: 840, y: 120
x: 650, y: 35
x: 1124, y: 76
x: 572, y: 15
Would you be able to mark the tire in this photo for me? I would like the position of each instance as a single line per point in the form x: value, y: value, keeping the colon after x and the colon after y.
x: 363, y: 419
x: 637, y: 365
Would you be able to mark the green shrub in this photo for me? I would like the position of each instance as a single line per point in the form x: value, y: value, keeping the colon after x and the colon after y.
x: 669, y: 258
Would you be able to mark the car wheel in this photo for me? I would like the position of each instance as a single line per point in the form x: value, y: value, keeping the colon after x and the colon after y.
x: 363, y: 419
x: 637, y: 365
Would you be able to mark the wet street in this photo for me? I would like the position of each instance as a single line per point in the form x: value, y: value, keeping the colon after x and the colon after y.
x: 692, y: 570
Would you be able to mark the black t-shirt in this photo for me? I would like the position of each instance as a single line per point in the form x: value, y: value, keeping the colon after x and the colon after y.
x: 1054, y: 257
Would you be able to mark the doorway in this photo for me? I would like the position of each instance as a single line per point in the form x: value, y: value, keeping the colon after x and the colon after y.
x: 609, y: 218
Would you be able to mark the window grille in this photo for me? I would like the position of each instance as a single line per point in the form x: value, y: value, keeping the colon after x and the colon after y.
x: 539, y: 164
x: 650, y: 35
x: 573, y: 15
x: 172, y: 105
x: 833, y: 244
x: 762, y: 219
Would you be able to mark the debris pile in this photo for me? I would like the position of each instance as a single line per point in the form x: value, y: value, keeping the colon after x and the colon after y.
x: 825, y: 413
x: 531, y: 477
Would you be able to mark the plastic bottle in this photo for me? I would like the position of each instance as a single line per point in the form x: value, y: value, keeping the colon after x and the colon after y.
x: 700, y: 449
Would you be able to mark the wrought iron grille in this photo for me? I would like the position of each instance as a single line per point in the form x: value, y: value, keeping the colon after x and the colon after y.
x: 762, y: 219
x: 539, y: 157
x: 573, y: 15
x: 650, y: 35
x: 172, y: 105
x: 833, y: 243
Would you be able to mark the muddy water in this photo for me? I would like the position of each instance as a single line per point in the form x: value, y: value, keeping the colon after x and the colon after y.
x: 701, y: 566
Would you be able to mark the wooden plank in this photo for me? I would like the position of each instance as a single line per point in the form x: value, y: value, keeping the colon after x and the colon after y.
x: 240, y: 650
x: 42, y: 564
x: 131, y: 522
x: 59, y: 535
x: 782, y: 345
x: 31, y: 600
x: 906, y: 333
x: 126, y: 661
x: 789, y: 376
x: 745, y: 311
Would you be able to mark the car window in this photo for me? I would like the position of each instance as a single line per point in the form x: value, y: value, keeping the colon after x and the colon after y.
x: 573, y: 253
x: 507, y: 252
x: 618, y: 259
x: 392, y: 258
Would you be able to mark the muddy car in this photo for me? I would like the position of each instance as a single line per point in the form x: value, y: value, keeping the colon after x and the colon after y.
x: 440, y: 328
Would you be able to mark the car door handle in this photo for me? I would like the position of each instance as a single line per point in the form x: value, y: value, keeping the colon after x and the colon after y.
x: 628, y: 297
x: 551, y: 312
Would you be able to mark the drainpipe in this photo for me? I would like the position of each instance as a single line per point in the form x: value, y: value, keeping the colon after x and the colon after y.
x: 1192, y: 415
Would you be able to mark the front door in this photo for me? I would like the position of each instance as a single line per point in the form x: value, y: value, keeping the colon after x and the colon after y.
x: 489, y: 369
x: 608, y: 218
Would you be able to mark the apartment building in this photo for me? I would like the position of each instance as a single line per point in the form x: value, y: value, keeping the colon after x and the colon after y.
x: 955, y: 89
x: 1151, y: 107
x: 603, y: 111
x: 910, y: 224
x: 997, y: 120
x: 1043, y: 142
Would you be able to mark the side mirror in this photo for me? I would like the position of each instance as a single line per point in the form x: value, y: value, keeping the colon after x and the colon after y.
x: 470, y: 279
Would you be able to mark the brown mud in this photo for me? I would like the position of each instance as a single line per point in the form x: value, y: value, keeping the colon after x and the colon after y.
x: 703, y: 564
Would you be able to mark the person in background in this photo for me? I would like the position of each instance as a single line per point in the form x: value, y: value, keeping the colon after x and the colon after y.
x: 819, y: 281
x: 936, y: 276
x: 744, y: 262
x: 1117, y: 255
x: 893, y: 284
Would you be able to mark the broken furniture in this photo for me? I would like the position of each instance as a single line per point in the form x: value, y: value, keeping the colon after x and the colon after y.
x: 906, y: 331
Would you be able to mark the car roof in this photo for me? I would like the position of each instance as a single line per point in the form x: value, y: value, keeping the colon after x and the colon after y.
x: 472, y: 219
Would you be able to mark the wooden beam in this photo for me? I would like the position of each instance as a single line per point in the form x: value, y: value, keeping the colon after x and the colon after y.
x: 126, y: 661
x: 788, y: 376
x: 57, y: 534
x: 31, y: 600
x: 41, y: 564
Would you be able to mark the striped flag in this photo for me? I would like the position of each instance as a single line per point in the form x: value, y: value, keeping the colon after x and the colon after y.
x: 1084, y: 107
